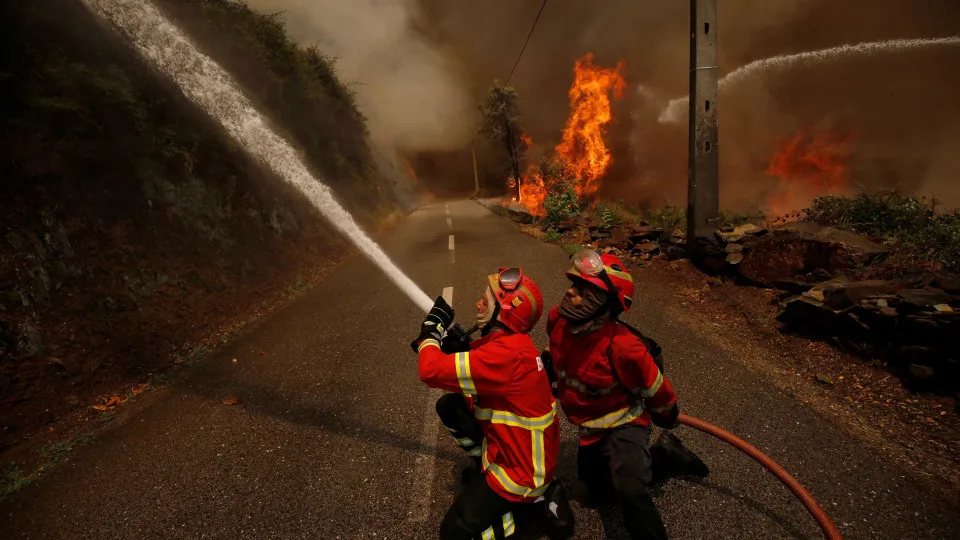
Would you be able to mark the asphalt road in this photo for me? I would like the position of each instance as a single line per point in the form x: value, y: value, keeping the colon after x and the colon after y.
x: 336, y: 437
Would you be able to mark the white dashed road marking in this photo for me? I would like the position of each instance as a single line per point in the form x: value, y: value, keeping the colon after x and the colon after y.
x: 450, y: 243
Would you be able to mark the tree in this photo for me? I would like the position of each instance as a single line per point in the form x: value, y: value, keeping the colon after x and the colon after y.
x: 501, y: 123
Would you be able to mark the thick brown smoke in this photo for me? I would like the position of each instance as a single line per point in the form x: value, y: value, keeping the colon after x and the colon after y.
x: 411, y: 90
x: 423, y: 64
x: 900, y: 106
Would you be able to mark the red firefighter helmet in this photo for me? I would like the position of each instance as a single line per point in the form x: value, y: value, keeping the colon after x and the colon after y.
x: 605, y: 271
x: 518, y: 297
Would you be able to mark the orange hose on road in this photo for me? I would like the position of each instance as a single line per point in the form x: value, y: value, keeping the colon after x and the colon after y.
x: 829, y: 529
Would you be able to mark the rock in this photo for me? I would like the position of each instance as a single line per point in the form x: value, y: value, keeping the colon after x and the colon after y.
x: 917, y: 280
x: 807, y: 313
x: 739, y: 233
x: 565, y: 226
x: 647, y: 247
x: 847, y: 294
x: 948, y: 282
x: 792, y: 286
x: 734, y: 248
x: 597, y: 235
x: 643, y: 234
x: 814, y: 294
x: 943, y: 308
x: 735, y: 258
x: 929, y: 327
x: 918, y: 299
x: 921, y: 372
x: 796, y: 249
x: 674, y: 252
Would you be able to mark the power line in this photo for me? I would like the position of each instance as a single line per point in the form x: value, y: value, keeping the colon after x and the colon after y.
x: 542, y: 5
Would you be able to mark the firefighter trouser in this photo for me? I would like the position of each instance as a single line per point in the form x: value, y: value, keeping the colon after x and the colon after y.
x: 478, y: 512
x: 621, y: 462
x: 459, y: 421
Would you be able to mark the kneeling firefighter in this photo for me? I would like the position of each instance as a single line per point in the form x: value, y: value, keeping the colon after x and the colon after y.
x: 609, y: 381
x: 501, y: 411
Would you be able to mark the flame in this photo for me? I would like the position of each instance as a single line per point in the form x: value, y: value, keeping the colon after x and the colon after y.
x: 526, y: 140
x: 533, y: 191
x: 809, y: 165
x: 582, y: 146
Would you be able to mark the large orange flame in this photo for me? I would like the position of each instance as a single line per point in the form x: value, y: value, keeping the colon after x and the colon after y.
x: 582, y: 146
x: 533, y: 191
x: 809, y: 165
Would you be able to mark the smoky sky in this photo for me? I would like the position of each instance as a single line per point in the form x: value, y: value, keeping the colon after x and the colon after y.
x: 424, y: 64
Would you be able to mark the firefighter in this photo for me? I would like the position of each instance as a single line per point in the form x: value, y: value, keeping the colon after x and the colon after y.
x: 500, y: 410
x: 610, y: 386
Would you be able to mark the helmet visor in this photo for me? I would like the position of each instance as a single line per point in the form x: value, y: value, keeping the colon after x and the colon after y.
x: 588, y: 262
x: 509, y: 278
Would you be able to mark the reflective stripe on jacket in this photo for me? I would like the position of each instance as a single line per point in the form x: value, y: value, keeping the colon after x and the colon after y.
x: 606, y: 378
x: 510, y: 394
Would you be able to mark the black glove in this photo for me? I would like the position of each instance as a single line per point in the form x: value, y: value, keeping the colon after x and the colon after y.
x: 438, y: 320
x: 667, y: 420
x: 456, y: 340
x: 547, y: 360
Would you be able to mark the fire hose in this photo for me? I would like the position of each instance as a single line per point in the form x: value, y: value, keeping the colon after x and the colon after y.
x: 829, y: 529
x: 461, y: 336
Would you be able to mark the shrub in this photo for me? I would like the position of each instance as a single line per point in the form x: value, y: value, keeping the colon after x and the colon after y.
x: 561, y: 202
x: 911, y: 224
x: 606, y: 216
x: 669, y: 218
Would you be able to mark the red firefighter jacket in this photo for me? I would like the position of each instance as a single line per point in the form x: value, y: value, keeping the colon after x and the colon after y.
x: 503, y: 377
x: 605, y: 379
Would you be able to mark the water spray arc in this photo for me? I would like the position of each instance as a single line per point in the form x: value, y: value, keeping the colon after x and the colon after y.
x: 207, y: 84
x: 203, y: 81
x: 672, y: 113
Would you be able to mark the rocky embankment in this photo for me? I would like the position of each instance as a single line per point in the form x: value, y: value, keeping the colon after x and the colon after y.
x: 910, y: 323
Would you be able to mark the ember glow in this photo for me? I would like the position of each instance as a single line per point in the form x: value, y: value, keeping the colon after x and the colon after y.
x: 582, y: 147
x: 809, y: 165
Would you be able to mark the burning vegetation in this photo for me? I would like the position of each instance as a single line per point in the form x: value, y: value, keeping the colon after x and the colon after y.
x: 808, y: 165
x: 582, y: 157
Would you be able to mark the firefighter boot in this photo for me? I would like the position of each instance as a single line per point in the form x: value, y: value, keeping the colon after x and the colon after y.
x: 558, y: 522
x: 672, y: 458
x: 470, y: 471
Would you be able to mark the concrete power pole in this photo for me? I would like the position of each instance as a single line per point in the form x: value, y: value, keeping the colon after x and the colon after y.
x: 703, y: 200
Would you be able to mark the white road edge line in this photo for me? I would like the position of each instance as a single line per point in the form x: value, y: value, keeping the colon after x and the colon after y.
x: 450, y: 224
x: 424, y: 467
x: 450, y: 243
x: 448, y: 295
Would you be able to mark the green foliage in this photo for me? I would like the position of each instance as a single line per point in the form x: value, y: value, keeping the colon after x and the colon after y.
x: 606, y: 216
x: 561, y: 202
x: 668, y: 218
x: 13, y: 481
x: 502, y: 125
x: 552, y: 236
x: 910, y: 223
x: 734, y: 219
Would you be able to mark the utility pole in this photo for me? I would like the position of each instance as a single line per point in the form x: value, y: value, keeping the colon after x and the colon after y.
x: 703, y: 200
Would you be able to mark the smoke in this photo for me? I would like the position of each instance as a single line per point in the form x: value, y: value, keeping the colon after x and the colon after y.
x: 900, y: 105
x: 411, y: 90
